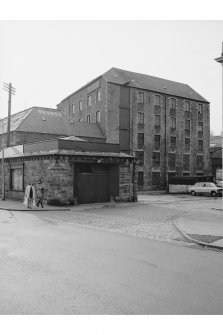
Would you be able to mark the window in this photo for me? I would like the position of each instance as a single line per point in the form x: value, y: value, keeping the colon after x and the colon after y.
x: 200, y: 145
x: 200, y: 126
x: 187, y: 115
x: 140, y: 118
x: 98, y: 117
x: 140, y: 179
x: 187, y: 105
x: 80, y: 105
x: 172, y: 161
x: 16, y: 178
x: 140, y: 157
x: 187, y: 124
x: 200, y: 108
x: 140, y: 97
x: 173, y: 122
x: 173, y: 141
x: 140, y: 140
x: 89, y: 100
x: 157, y: 142
x: 200, y: 162
x: 186, y: 162
x: 157, y: 100
x: 156, y: 159
x: 88, y: 118
x: 73, y: 108
x: 157, y: 120
x: 187, y: 144
x: 172, y: 103
x: 98, y: 95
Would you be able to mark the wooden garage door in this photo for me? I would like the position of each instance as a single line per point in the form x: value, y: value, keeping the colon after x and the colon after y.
x: 93, y: 184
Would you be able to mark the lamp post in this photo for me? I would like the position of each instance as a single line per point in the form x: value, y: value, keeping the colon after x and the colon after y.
x: 220, y: 60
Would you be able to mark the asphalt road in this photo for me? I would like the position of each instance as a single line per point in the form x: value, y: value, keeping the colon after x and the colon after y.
x: 49, y: 268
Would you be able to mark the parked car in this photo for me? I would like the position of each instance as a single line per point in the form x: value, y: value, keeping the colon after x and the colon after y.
x: 205, y: 188
x: 219, y: 183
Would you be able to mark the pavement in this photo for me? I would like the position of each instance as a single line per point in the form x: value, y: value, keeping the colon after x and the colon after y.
x: 205, y: 228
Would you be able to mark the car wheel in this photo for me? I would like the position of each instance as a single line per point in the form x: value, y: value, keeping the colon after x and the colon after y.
x: 193, y: 193
x: 214, y: 194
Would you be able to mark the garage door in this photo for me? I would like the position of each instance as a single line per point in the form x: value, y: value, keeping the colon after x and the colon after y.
x: 93, y: 184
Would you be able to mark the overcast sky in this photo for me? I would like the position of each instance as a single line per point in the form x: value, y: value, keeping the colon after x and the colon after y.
x: 47, y: 60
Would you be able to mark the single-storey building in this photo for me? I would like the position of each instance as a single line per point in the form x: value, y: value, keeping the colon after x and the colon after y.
x: 74, y: 170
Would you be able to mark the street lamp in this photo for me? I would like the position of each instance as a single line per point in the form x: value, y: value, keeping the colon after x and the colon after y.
x: 220, y: 60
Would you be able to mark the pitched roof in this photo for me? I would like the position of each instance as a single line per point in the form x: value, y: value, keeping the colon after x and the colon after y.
x: 151, y: 83
x: 51, y: 121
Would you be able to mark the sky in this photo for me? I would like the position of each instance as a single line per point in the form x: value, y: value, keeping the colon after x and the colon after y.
x: 48, y: 60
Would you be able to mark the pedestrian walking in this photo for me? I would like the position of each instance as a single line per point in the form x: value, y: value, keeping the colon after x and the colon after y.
x: 30, y: 196
x: 40, y: 189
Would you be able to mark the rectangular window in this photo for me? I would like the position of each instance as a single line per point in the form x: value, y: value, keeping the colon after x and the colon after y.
x: 187, y: 124
x: 140, y: 118
x: 140, y: 97
x: 88, y: 118
x: 157, y: 100
x: 157, y: 142
x: 172, y: 103
x: 140, y: 140
x: 16, y: 178
x: 173, y: 142
x: 156, y: 159
x: 187, y: 144
x: 200, y: 126
x: 73, y: 108
x: 89, y: 100
x: 187, y: 115
x: 98, y: 95
x: 80, y: 105
x: 186, y: 162
x: 155, y: 178
x: 172, y: 161
x: 200, y: 162
x: 98, y: 117
x: 173, y: 122
x: 140, y: 157
x: 140, y: 179
x: 200, y: 145
x: 200, y: 108
x: 187, y: 105
x: 157, y: 120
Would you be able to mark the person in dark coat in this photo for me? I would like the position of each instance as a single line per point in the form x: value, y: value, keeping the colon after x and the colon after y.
x: 40, y: 189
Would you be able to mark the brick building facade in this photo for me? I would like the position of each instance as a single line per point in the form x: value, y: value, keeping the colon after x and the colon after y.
x: 165, y: 124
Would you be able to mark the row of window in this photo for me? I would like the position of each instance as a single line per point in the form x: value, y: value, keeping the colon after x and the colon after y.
x: 157, y: 102
x: 89, y: 101
x: 141, y: 120
x: 171, y: 161
x: 173, y: 141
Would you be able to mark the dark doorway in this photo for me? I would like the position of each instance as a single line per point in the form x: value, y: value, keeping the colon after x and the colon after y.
x: 93, y: 183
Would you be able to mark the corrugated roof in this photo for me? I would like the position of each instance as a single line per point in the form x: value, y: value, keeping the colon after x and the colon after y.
x: 151, y: 83
x: 51, y: 121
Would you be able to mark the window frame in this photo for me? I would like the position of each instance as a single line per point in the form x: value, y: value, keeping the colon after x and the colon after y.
x: 98, y: 95
x: 13, y: 168
x: 98, y: 116
x: 140, y: 97
x: 159, y: 100
x: 88, y: 118
x: 140, y: 118
x: 80, y: 105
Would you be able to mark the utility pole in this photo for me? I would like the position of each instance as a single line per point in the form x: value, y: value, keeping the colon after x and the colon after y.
x: 10, y: 90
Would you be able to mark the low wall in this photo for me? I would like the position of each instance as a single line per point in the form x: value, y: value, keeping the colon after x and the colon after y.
x: 179, y: 188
